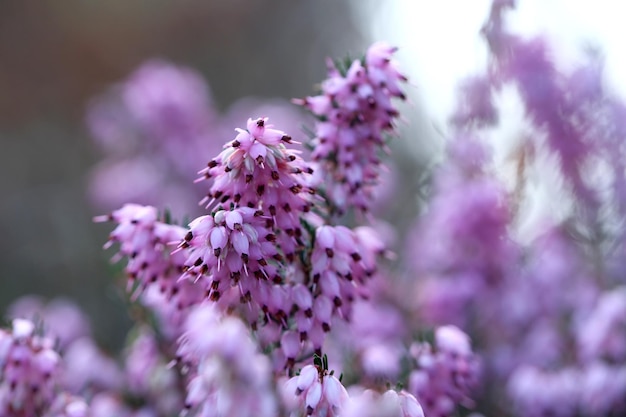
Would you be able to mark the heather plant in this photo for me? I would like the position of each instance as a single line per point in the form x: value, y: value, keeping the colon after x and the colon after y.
x: 525, y: 298
x: 280, y: 296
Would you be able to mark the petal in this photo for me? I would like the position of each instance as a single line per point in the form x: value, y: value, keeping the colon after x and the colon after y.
x: 334, y: 391
x: 219, y: 237
x: 233, y: 218
x: 302, y: 296
x: 313, y: 396
x: 258, y: 150
x: 240, y: 242
x: 307, y: 377
x: 325, y: 236
x: 290, y: 343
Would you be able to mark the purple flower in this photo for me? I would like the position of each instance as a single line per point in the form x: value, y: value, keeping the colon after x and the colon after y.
x: 62, y: 320
x: 68, y: 406
x: 461, y: 246
x: 145, y: 240
x: 391, y: 403
x: 154, y: 127
x: 603, y: 333
x: 29, y: 368
x: 538, y: 393
x: 228, y: 377
x: 234, y: 255
x: 148, y: 374
x: 168, y: 102
x: 88, y: 369
x: 446, y: 376
x: 257, y: 170
x: 315, y: 392
x: 354, y: 113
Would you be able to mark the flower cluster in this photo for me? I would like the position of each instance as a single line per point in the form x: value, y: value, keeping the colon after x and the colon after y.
x: 354, y: 112
x: 316, y: 391
x: 445, y: 377
x: 498, y: 250
x: 515, y: 266
x: 228, y: 252
x: 145, y: 241
x: 256, y: 170
x: 389, y: 404
x: 29, y: 374
x: 148, y: 374
x: 463, y: 238
x: 267, y: 254
x: 160, y: 110
x: 228, y: 376
x: 68, y: 406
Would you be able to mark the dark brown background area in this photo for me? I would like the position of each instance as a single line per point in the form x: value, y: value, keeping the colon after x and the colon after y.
x: 56, y: 55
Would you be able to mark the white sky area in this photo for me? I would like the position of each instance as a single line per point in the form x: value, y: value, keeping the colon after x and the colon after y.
x: 440, y: 44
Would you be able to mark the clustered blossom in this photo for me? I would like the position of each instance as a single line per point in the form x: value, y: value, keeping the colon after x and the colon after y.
x: 86, y: 368
x: 389, y: 404
x: 496, y: 261
x: 463, y: 239
x: 593, y: 385
x: 146, y: 242
x: 229, y: 252
x: 66, y: 405
x: 148, y: 374
x: 315, y: 392
x: 171, y: 103
x: 29, y: 369
x: 257, y: 170
x: 255, y: 254
x: 446, y: 373
x: 267, y: 255
x: 63, y: 321
x: 336, y: 264
x: 227, y: 375
x: 355, y: 112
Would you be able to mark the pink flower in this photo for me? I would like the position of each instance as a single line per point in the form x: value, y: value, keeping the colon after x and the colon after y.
x: 391, y: 403
x: 148, y: 375
x: 152, y: 126
x: 88, y: 368
x: 354, y: 113
x: 63, y: 321
x: 315, y: 392
x: 445, y: 377
x: 29, y: 368
x: 256, y: 170
x: 66, y: 405
x: 228, y: 377
x: 230, y: 253
x: 145, y: 241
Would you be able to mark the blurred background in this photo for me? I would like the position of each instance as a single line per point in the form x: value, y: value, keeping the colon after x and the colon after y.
x: 55, y: 57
